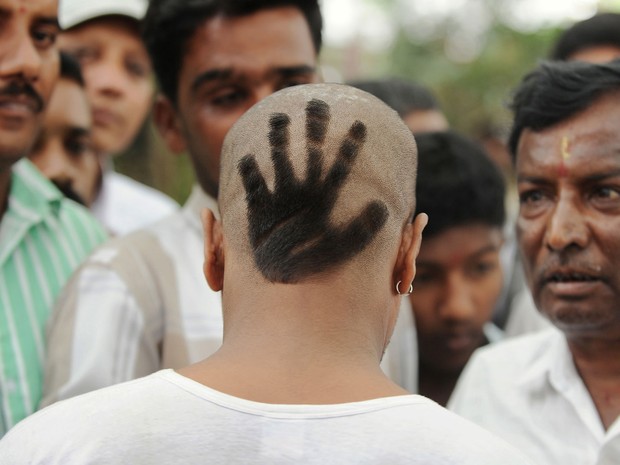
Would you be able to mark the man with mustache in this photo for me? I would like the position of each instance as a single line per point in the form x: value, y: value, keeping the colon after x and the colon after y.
x: 556, y: 394
x: 43, y: 235
x: 64, y: 150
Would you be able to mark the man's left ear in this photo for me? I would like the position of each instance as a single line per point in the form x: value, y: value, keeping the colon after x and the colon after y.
x: 405, y: 268
x: 213, y: 249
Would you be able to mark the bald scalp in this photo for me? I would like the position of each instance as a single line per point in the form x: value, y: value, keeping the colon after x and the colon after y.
x: 313, y: 177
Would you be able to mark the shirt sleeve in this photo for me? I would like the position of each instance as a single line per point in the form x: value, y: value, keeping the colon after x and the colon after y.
x: 103, y: 331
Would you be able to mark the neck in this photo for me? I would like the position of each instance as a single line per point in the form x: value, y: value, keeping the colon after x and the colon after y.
x: 598, y: 363
x: 300, y: 343
x: 437, y: 385
x: 5, y: 185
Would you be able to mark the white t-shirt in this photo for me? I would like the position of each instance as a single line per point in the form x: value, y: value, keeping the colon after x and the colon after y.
x: 124, y: 205
x: 528, y: 391
x: 169, y: 419
x: 140, y: 303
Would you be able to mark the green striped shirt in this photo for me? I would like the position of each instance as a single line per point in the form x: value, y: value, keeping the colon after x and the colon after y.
x: 43, y: 238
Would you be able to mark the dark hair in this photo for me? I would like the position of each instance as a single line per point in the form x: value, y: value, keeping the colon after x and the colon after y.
x: 403, y: 96
x: 70, y: 69
x: 170, y: 24
x: 557, y: 90
x: 600, y: 29
x: 457, y: 183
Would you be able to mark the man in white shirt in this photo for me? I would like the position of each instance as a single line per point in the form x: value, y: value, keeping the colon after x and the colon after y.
x: 140, y: 303
x: 313, y: 253
x: 104, y: 37
x: 556, y: 394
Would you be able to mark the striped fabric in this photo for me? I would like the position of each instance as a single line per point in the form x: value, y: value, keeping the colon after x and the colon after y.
x: 43, y: 238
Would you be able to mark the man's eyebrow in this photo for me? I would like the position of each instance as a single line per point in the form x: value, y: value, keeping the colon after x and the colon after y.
x: 533, y: 179
x: 591, y: 178
x: 210, y: 76
x: 286, y: 71
x: 47, y: 21
x: 223, y: 74
x: 485, y: 250
x: 602, y: 176
x: 430, y: 263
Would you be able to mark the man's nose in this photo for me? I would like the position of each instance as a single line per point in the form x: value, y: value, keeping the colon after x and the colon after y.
x: 566, y: 226
x: 21, y: 58
x: 457, y: 303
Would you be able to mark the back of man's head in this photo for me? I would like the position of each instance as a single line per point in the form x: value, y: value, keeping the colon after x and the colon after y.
x: 600, y: 30
x: 170, y: 24
x: 313, y: 178
x: 458, y: 184
x: 555, y: 91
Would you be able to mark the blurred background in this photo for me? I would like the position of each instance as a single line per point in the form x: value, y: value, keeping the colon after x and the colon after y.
x: 471, y: 53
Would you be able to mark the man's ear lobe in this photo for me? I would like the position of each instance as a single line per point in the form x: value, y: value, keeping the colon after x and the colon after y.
x: 213, y: 250
x: 167, y: 122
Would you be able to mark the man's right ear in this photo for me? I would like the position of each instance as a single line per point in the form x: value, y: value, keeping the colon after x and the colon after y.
x: 167, y: 121
x: 214, y: 250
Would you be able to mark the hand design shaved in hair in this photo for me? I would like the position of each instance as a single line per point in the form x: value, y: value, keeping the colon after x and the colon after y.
x: 289, y: 228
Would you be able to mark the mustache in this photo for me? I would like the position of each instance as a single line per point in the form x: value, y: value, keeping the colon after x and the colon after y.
x: 19, y: 89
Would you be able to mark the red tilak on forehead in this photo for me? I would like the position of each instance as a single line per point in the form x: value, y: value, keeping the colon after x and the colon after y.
x: 562, y: 169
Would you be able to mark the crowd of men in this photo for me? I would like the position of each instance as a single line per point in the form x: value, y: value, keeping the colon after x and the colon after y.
x: 340, y: 270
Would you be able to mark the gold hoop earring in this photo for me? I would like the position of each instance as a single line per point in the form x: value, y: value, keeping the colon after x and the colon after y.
x: 408, y: 292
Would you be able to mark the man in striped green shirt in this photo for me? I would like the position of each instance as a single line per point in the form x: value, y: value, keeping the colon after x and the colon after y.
x: 43, y: 236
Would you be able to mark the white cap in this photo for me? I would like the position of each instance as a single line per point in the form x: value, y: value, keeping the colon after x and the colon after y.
x: 74, y: 12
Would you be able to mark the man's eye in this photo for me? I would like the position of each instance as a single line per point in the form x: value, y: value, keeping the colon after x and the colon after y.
x: 483, y: 268
x: 606, y: 192
x: 78, y: 147
x: 137, y: 69
x: 426, y: 277
x: 228, y: 99
x: 83, y: 55
x: 531, y: 197
x: 44, y: 37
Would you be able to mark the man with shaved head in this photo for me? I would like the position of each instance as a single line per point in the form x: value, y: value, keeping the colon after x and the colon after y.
x: 313, y: 250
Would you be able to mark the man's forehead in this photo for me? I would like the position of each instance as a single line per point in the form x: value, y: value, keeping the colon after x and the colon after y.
x: 30, y: 8
x: 260, y: 42
x: 594, y: 129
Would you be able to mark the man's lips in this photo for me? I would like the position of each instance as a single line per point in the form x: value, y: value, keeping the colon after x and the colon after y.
x: 20, y: 100
x: 456, y: 341
x: 105, y: 117
x: 571, y: 282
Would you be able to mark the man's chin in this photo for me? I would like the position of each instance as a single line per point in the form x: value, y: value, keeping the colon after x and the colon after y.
x: 578, y: 316
x: 15, y: 144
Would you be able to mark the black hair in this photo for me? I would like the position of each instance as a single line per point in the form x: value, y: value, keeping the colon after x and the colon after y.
x: 457, y: 183
x: 169, y: 25
x: 289, y: 228
x: 402, y: 95
x: 557, y: 90
x: 70, y: 69
x: 600, y: 29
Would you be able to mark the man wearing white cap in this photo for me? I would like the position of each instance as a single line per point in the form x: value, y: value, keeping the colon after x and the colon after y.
x: 104, y: 36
